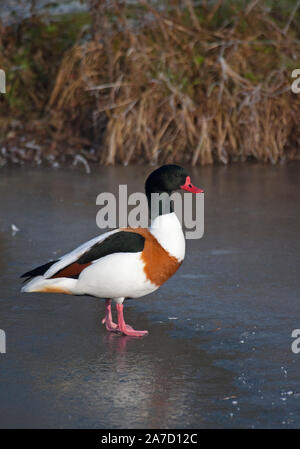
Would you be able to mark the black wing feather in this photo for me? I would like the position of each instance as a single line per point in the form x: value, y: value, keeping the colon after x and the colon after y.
x: 39, y: 271
x: 120, y: 242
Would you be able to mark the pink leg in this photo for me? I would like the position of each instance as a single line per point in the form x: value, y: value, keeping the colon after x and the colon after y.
x: 107, y: 320
x: 124, y: 328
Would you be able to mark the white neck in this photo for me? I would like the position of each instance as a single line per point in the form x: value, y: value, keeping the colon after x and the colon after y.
x: 167, y: 230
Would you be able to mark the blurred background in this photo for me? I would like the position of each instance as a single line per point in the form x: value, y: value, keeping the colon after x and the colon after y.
x: 151, y: 81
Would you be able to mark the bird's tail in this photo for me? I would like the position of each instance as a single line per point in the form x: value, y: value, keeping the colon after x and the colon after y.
x: 57, y: 285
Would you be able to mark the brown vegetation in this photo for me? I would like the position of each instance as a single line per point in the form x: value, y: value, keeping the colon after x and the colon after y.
x: 192, y: 85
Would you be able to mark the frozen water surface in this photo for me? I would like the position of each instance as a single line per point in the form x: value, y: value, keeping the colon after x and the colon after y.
x: 225, y: 361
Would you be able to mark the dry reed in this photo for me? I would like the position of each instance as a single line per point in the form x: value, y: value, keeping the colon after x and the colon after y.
x: 176, y: 87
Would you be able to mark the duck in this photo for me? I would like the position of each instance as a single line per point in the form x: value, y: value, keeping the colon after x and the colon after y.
x: 124, y: 262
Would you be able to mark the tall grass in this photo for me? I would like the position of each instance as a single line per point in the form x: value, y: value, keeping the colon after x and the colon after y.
x: 187, y: 84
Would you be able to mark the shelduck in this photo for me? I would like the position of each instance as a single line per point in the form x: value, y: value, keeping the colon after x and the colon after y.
x: 123, y: 263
